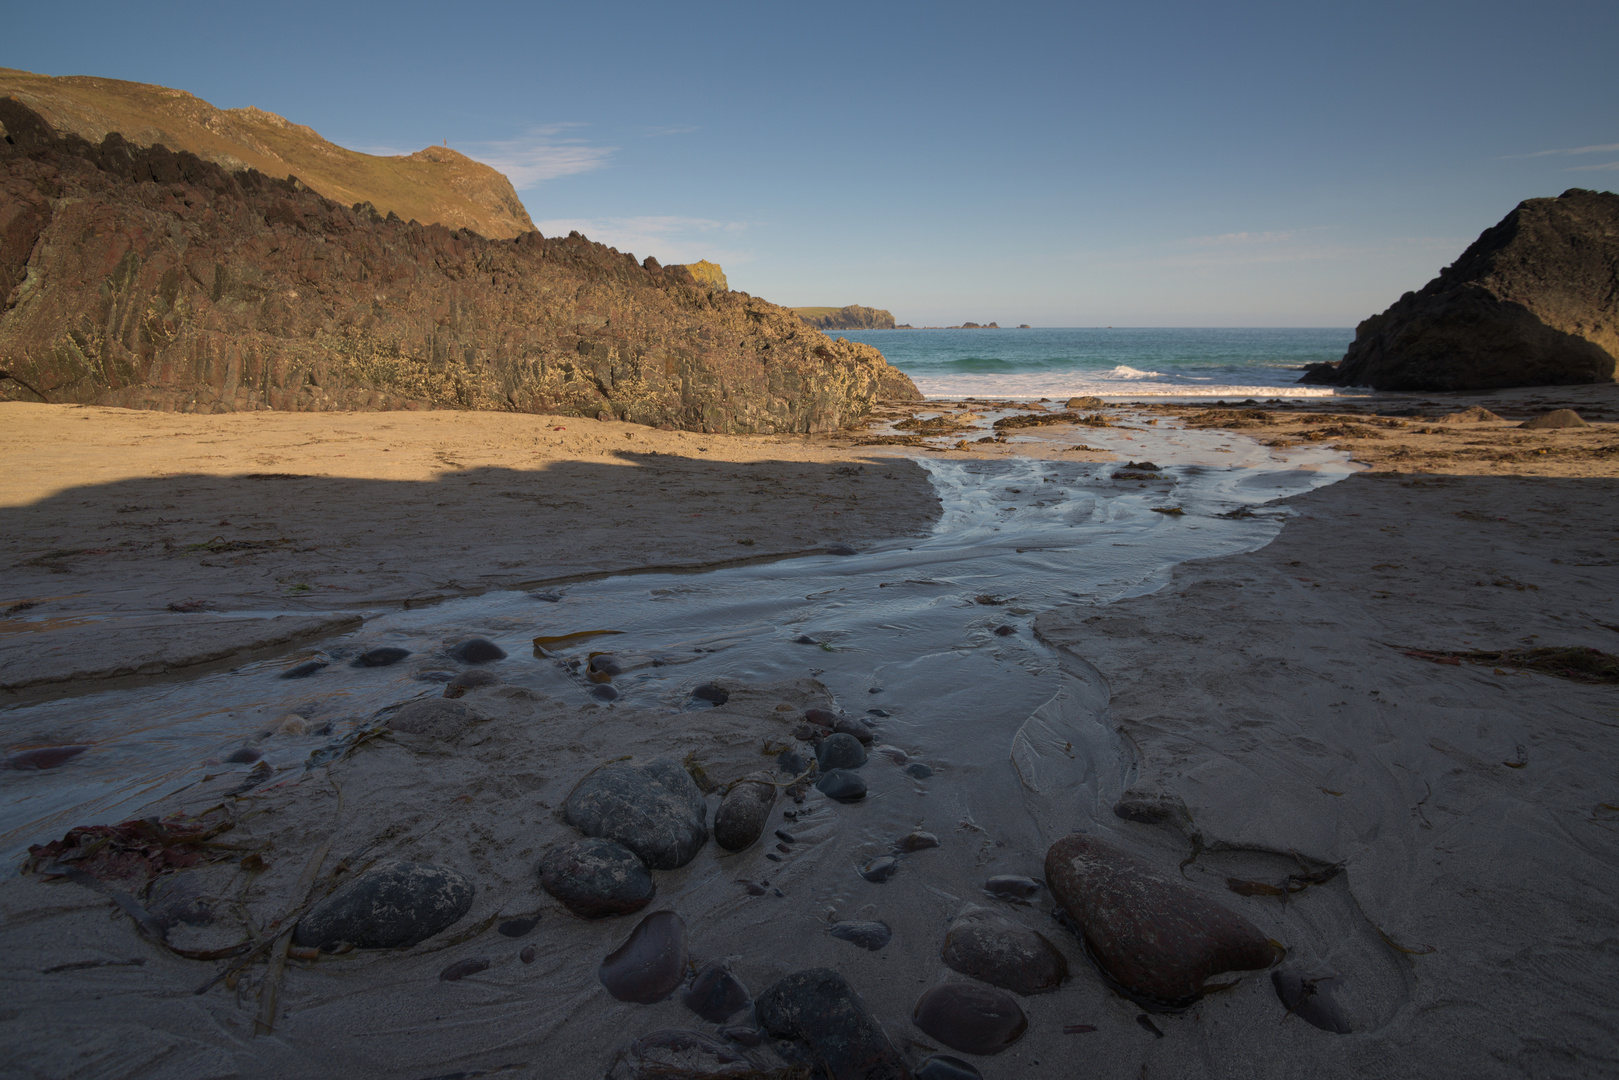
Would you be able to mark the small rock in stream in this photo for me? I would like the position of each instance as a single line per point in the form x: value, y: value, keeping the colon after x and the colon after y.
x: 945, y: 1067
x: 1005, y: 630
x: 390, y: 906
x: 595, y: 878
x: 1310, y: 999
x: 918, y: 771
x: 305, y: 669
x: 711, y: 692
x: 383, y: 657
x: 996, y: 950
x: 478, y: 650
x: 655, y: 810
x: 972, y: 1019
x: 848, y: 725
x: 839, y: 549
x: 818, y: 1007
x: 715, y: 993
x: 518, y: 927
x: 462, y: 968
x: 247, y: 755
x: 805, y: 639
x: 842, y: 785
x: 840, y: 752
x: 651, y: 963
x: 880, y: 869
x: 868, y: 934
x: 741, y: 818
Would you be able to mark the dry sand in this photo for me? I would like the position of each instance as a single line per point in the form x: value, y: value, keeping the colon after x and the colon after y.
x: 1473, y: 806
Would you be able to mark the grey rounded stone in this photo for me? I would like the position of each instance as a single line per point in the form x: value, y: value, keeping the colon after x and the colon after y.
x: 715, y: 993
x: 974, y: 1019
x: 651, y: 964
x: 848, y: 725
x: 383, y: 657
x: 918, y: 770
x: 478, y: 650
x: 741, y: 818
x: 996, y: 950
x: 655, y: 810
x: 880, y: 869
x: 870, y: 934
x: 435, y: 718
x: 391, y: 906
x: 594, y: 878
x: 840, y: 751
x: 842, y: 785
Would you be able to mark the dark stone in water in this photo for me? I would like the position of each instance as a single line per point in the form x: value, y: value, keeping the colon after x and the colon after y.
x: 791, y: 762
x: 916, y: 841
x: 1156, y: 939
x: 878, y: 712
x: 945, y: 1067
x: 478, y: 650
x: 871, y: 935
x: 528, y: 954
x: 918, y: 770
x: 842, y: 785
x: 467, y: 680
x: 1011, y: 886
x: 604, y: 692
x: 518, y: 927
x: 972, y: 1019
x: 594, y: 878
x: 996, y: 950
x: 821, y: 717
x: 880, y: 869
x: 840, y: 752
x: 741, y: 818
x: 435, y: 718
x: 247, y: 755
x: 605, y: 664
x: 839, y: 549
x: 390, y: 906
x: 678, y: 1055
x: 1005, y: 630
x: 44, y: 757
x: 710, y: 692
x: 305, y: 669
x: 462, y: 968
x: 1310, y: 1000
x: 548, y: 597
x: 651, y: 963
x: 655, y: 810
x: 805, y: 639
x: 848, y: 725
x: 715, y: 993
x: 380, y: 657
x: 819, y: 1007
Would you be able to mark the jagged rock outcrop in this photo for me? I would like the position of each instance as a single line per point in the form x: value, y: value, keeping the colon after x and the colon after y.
x: 852, y: 317
x: 145, y: 278
x: 709, y: 275
x: 435, y: 186
x: 1534, y: 301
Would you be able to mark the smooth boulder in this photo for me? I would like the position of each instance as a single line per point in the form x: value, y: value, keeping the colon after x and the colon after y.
x: 655, y: 810
x: 818, y: 1007
x: 595, y: 878
x: 741, y: 817
x: 392, y: 906
x: 1156, y: 939
x: 840, y: 751
x: 972, y: 1019
x: 842, y: 786
x: 478, y: 650
x: 996, y: 950
x: 651, y: 964
x: 715, y: 993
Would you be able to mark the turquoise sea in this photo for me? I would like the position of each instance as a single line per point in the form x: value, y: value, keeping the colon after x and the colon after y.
x: 1109, y: 362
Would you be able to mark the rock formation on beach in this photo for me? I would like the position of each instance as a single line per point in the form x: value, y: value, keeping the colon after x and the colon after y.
x: 148, y: 278
x: 1534, y: 301
x: 851, y: 317
x: 436, y: 185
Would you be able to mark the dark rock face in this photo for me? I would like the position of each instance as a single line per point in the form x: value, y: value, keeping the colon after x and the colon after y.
x: 1532, y: 302
x: 391, y: 906
x: 741, y: 818
x: 655, y: 810
x: 651, y: 963
x: 1003, y: 953
x: 435, y: 718
x: 216, y: 292
x: 972, y: 1019
x: 840, y: 751
x: 715, y: 993
x: 594, y: 878
x: 819, y: 1007
x: 1156, y: 939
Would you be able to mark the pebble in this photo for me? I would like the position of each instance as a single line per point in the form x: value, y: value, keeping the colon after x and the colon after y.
x: 548, y: 597
x: 466, y: 680
x: 821, y: 717
x: 379, y: 657
x: 918, y: 770
x: 848, y: 725
x: 292, y: 724
x: 916, y: 841
x: 871, y: 935
x: 595, y: 878
x: 805, y: 639
x: 651, y: 963
x: 655, y: 810
x: 715, y: 993
x: 991, y: 948
x: 1156, y: 939
x: 390, y: 906
x: 518, y: 927
x: 1310, y: 1000
x: 786, y: 837
x: 604, y: 692
x: 842, y: 785
x: 434, y: 718
x: 478, y: 650
x: 247, y: 755
x: 304, y: 670
x: 462, y: 968
x: 528, y: 954
x: 972, y: 1019
x: 604, y: 664
x: 945, y: 1067
x: 893, y: 753
x: 1005, y: 630
x: 791, y: 763
x: 1152, y: 808
x: 711, y: 692
x: 44, y: 757
x: 840, y: 751
x: 880, y: 869
x: 818, y: 1007
x: 742, y: 815
x: 1012, y: 887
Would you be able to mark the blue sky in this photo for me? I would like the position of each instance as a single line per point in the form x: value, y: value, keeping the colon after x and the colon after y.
x: 1156, y: 164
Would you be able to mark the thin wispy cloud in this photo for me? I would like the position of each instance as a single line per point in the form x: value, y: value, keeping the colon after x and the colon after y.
x: 1605, y: 148
x: 1242, y: 239
x: 542, y: 153
x: 670, y: 238
x: 660, y: 132
x: 1607, y: 165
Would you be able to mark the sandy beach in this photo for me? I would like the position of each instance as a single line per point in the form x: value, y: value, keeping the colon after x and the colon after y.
x: 1359, y: 695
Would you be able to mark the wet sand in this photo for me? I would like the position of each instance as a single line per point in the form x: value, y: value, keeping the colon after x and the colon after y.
x: 1471, y: 806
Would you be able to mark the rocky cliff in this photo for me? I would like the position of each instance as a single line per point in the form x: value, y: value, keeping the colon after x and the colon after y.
x: 435, y: 186
x: 1534, y: 301
x: 708, y: 274
x: 853, y: 317
x: 139, y: 277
